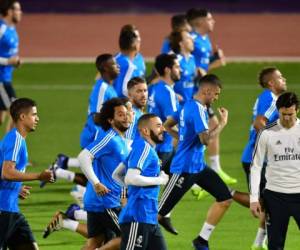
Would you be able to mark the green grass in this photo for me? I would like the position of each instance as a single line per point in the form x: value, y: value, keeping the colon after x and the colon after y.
x: 62, y: 91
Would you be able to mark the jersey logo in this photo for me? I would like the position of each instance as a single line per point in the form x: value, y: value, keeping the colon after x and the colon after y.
x: 139, y: 241
x: 278, y: 142
x: 180, y: 182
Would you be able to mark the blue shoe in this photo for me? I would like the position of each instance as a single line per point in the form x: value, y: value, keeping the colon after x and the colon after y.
x: 71, y: 210
x: 61, y: 161
x: 199, y: 245
x: 52, y: 168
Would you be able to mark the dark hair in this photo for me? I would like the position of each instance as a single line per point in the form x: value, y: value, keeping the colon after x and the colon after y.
x: 194, y: 13
x: 163, y: 61
x: 265, y: 75
x: 210, y: 79
x: 145, y: 118
x: 175, y: 38
x: 135, y: 81
x: 127, y: 37
x: 19, y: 106
x: 286, y: 100
x: 5, y: 5
x: 108, y: 111
x: 101, y: 60
x: 177, y: 21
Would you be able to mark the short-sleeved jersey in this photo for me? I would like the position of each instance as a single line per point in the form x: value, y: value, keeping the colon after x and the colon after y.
x: 265, y: 105
x: 9, y: 46
x: 192, y: 121
x: 163, y: 102
x: 101, y: 93
x: 202, y: 50
x: 166, y: 48
x: 13, y: 148
x: 128, y: 69
x: 142, y: 204
x: 186, y: 86
x: 132, y: 132
x: 108, y: 150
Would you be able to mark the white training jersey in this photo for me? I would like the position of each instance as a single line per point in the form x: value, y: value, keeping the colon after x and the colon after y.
x: 281, y: 148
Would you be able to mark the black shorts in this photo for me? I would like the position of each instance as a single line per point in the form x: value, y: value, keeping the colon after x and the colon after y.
x: 179, y: 184
x: 279, y: 207
x: 142, y: 236
x: 103, y: 222
x: 7, y: 95
x: 14, y: 230
x: 166, y: 160
x: 263, y: 180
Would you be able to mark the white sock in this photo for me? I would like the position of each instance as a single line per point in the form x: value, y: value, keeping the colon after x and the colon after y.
x: 195, y: 186
x: 168, y: 215
x: 70, y: 224
x: 260, y: 236
x: 80, y: 215
x: 73, y: 163
x: 215, y: 162
x: 206, y: 231
x: 64, y: 174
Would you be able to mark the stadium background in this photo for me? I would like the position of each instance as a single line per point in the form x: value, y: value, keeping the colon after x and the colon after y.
x: 253, y: 34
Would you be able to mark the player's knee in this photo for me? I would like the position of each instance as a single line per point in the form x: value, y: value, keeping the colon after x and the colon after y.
x: 225, y: 204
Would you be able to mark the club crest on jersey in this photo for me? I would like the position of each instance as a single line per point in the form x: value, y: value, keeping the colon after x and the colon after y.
x: 179, y: 182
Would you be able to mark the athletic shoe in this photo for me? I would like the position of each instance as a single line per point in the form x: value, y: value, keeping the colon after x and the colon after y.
x: 61, y: 161
x: 52, y: 168
x: 55, y: 224
x: 226, y: 178
x: 165, y: 222
x: 254, y: 247
x: 71, y: 210
x: 198, y: 245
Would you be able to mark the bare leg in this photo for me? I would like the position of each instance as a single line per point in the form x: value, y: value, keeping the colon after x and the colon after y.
x: 216, y: 212
x: 113, y: 244
x: 82, y: 229
x: 241, y: 198
x: 94, y: 242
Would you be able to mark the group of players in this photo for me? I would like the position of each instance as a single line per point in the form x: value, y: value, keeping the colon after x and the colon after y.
x: 142, y: 134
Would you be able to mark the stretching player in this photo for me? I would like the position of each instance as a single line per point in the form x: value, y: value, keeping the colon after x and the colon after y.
x: 15, y: 232
x: 188, y: 165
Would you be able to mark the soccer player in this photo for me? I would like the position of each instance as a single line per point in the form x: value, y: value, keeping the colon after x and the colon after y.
x: 163, y: 101
x: 15, y: 232
x: 138, y: 219
x: 178, y: 23
x: 9, y: 48
x: 279, y: 144
x: 264, y: 113
x: 206, y: 59
x: 98, y: 161
x: 138, y: 96
x: 182, y: 44
x: 188, y: 165
x: 129, y: 59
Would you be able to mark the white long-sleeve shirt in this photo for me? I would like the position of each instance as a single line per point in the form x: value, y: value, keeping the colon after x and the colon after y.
x: 280, y: 147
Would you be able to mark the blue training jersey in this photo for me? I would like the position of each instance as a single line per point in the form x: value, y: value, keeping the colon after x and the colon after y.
x: 13, y: 148
x: 166, y: 48
x: 9, y: 47
x: 265, y: 105
x: 101, y: 93
x: 108, y: 150
x: 132, y: 132
x: 142, y: 204
x: 192, y: 120
x: 128, y: 69
x: 163, y: 102
x: 186, y: 86
x: 202, y: 50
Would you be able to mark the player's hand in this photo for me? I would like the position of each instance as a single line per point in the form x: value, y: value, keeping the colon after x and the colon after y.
x: 221, y: 57
x: 24, y: 192
x: 201, y: 72
x: 100, y: 189
x: 14, y: 61
x: 255, y: 209
x: 223, y: 116
x: 164, y: 178
x: 47, y: 176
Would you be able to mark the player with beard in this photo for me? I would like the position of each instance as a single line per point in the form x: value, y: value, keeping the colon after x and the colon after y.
x: 138, y: 219
x: 138, y: 96
x: 9, y: 48
x: 98, y: 161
